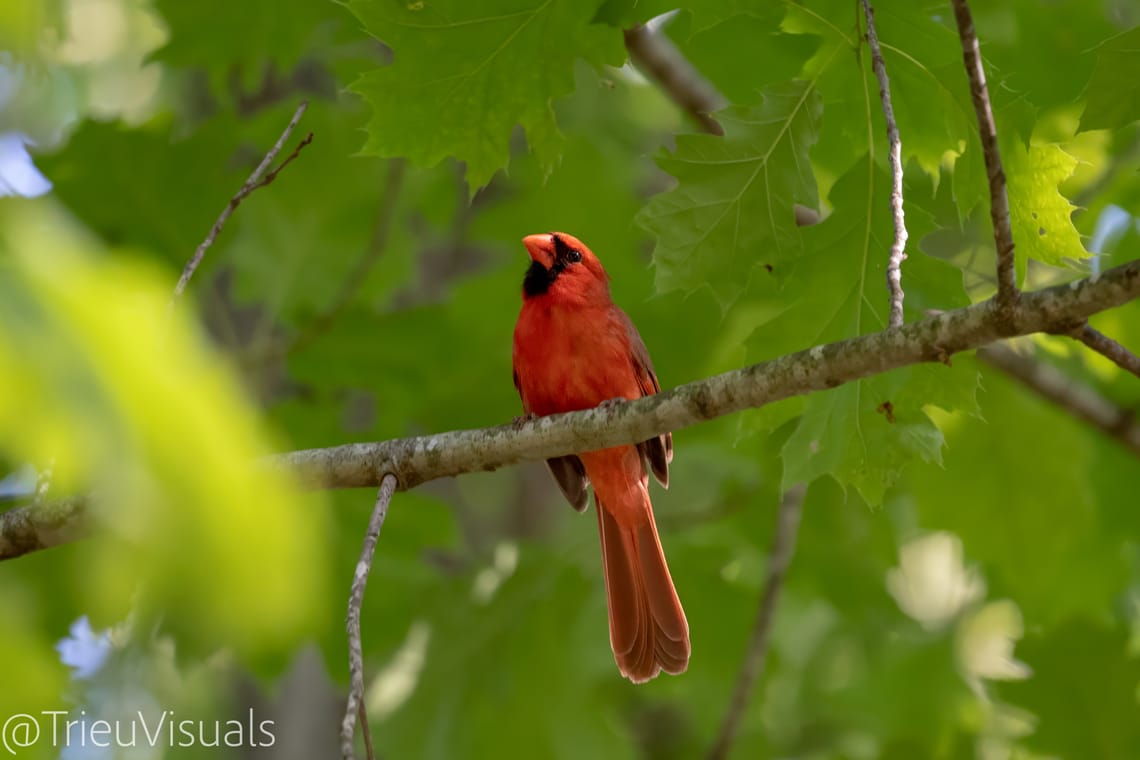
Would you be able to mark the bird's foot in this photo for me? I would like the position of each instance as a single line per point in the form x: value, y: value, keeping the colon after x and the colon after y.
x: 518, y: 422
x: 610, y: 403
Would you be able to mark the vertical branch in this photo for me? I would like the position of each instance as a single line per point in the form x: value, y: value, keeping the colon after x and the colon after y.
x: 898, y: 248
x: 1007, y: 294
x: 355, y: 705
x: 780, y: 557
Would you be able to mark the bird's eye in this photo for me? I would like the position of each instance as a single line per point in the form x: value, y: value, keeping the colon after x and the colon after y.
x: 574, y: 256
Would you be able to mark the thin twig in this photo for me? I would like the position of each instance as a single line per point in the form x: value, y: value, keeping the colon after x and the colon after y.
x: 351, y: 285
x: 1109, y: 348
x: 898, y: 248
x: 272, y: 175
x: 1079, y: 400
x: 999, y: 198
x: 355, y: 651
x: 419, y: 459
x: 752, y: 669
x: 659, y: 58
x: 255, y: 181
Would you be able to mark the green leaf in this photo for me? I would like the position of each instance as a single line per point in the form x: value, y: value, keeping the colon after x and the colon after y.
x: 1040, y: 217
x: 622, y: 13
x: 123, y: 396
x: 743, y: 53
x: 238, y: 42
x: 732, y: 210
x: 1015, y: 487
x: 489, y: 656
x: 464, y: 75
x: 864, y: 432
x: 929, y: 92
x: 171, y: 223
x: 1041, y: 51
x: 1083, y: 690
x: 1113, y: 98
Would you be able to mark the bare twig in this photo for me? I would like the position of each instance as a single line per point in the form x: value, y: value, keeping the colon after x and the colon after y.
x: 255, y: 181
x: 355, y: 651
x: 659, y: 58
x: 351, y: 284
x: 898, y: 248
x: 1102, y: 344
x: 415, y: 461
x: 272, y: 175
x: 999, y: 199
x: 1074, y: 397
x: 752, y: 669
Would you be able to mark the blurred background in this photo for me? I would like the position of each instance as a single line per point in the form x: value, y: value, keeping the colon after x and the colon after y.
x: 981, y: 601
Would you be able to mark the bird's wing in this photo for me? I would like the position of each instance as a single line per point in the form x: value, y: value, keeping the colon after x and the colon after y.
x: 657, y: 452
x: 568, y: 471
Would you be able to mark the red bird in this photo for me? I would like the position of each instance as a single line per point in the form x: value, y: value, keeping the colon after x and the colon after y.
x: 574, y: 349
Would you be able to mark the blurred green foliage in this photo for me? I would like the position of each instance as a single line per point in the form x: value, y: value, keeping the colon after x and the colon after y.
x: 966, y: 578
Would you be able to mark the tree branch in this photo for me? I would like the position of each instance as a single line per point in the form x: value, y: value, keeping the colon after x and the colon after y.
x: 659, y: 59
x: 1077, y: 399
x: 1106, y: 346
x: 898, y: 248
x: 42, y: 525
x: 420, y: 459
x: 255, y: 181
x: 355, y: 651
x: 752, y: 669
x: 414, y: 461
x: 987, y: 130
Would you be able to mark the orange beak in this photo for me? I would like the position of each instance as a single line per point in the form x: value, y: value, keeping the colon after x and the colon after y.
x: 540, y: 247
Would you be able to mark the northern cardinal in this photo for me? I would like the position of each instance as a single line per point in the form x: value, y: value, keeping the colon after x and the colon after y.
x: 575, y: 349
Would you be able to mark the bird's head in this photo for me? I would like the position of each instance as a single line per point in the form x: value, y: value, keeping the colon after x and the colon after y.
x: 564, y: 268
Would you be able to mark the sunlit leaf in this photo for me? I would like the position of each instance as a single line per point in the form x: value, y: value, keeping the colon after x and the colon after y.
x: 129, y: 405
x: 1040, y: 216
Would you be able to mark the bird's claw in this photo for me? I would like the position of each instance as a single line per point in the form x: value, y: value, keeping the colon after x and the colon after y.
x: 610, y: 403
x: 518, y: 422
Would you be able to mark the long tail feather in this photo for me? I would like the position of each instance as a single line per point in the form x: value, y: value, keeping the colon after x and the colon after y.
x: 648, y: 629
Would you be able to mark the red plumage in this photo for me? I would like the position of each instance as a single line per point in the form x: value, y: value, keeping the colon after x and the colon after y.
x: 574, y: 349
